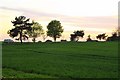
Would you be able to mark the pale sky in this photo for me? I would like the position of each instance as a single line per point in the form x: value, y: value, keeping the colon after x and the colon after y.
x: 92, y: 16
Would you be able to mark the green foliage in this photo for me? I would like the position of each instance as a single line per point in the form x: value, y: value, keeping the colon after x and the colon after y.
x: 70, y: 59
x: 54, y: 29
x: 21, y: 24
x: 36, y: 31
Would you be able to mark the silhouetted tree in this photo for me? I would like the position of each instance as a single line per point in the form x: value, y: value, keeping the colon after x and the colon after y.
x: 101, y: 36
x: 36, y: 31
x: 21, y: 24
x: 114, y: 34
x: 79, y: 34
x: 72, y: 37
x: 76, y: 35
x: 54, y: 29
x: 118, y: 31
x: 89, y: 39
x: 114, y: 37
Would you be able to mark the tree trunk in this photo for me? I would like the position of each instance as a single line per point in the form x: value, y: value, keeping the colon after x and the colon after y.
x: 21, y: 36
x: 54, y: 38
x: 34, y: 40
x: 77, y: 38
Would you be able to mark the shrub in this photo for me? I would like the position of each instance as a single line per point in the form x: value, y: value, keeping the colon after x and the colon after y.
x: 48, y: 41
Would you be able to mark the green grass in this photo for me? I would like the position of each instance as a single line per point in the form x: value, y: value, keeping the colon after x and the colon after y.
x: 10, y: 73
x: 68, y: 60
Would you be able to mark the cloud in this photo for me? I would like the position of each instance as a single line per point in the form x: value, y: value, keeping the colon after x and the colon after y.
x: 32, y: 12
x: 104, y: 22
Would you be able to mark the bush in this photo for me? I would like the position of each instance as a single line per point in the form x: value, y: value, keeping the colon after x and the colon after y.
x: 48, y: 41
x: 39, y: 41
x: 92, y: 40
x: 63, y: 40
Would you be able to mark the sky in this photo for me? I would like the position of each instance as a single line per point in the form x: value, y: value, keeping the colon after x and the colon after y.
x: 92, y: 16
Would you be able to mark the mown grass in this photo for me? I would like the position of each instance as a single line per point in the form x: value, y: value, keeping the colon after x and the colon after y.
x: 11, y: 73
x: 66, y: 60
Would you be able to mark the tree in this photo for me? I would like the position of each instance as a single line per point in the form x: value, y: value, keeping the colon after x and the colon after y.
x: 115, y: 37
x: 101, y: 36
x: 79, y: 34
x: 21, y: 25
x: 89, y: 39
x: 36, y: 31
x: 76, y: 35
x: 54, y: 29
x: 73, y: 37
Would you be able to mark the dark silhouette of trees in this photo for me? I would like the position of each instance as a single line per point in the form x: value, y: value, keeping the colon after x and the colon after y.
x: 54, y: 29
x: 63, y: 40
x: 115, y: 37
x: 89, y: 39
x: 77, y: 34
x: 73, y: 37
x: 21, y: 24
x: 36, y: 31
x: 101, y: 36
x: 118, y: 31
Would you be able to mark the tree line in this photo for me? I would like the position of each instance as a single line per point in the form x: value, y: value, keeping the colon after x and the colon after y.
x: 24, y: 29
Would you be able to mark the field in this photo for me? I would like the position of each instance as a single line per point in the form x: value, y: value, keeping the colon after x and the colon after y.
x: 60, y: 60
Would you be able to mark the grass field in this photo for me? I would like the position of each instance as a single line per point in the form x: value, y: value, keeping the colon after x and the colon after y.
x: 60, y: 60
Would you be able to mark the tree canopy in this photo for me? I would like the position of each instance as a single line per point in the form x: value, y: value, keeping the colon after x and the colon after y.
x: 76, y: 35
x: 21, y: 24
x: 54, y: 29
x: 89, y: 38
x: 23, y: 29
x: 36, y: 31
x: 115, y: 36
x: 101, y: 36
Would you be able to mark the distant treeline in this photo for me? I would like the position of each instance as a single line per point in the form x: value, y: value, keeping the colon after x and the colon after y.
x: 24, y: 29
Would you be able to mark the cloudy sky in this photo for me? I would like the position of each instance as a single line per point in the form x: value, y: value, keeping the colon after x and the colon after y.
x: 92, y: 16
